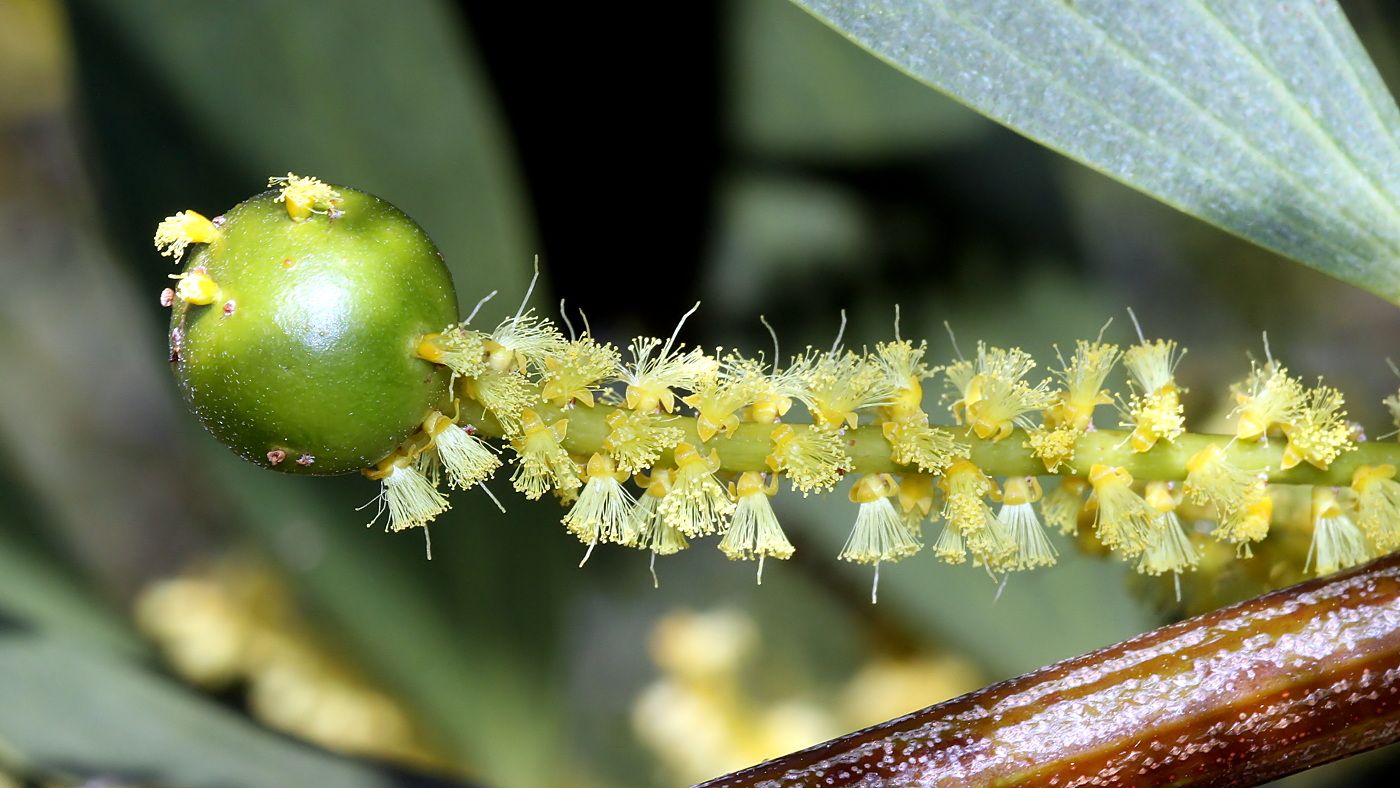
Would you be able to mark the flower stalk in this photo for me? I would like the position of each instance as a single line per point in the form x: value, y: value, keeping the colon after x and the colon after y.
x: 750, y: 444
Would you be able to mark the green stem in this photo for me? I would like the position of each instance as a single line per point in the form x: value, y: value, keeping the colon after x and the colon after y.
x: 749, y: 446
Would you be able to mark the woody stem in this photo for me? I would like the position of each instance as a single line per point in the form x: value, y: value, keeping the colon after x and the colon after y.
x: 1245, y: 694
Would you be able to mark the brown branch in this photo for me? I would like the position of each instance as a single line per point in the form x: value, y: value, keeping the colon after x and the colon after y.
x: 1246, y: 694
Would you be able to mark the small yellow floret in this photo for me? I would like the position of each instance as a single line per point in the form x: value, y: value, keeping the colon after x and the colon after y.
x: 522, y: 343
x: 903, y: 365
x: 915, y: 443
x: 812, y: 459
x: 1269, y: 398
x: 995, y: 398
x: 636, y: 439
x: 197, y: 287
x: 405, y: 494
x: 542, y: 463
x: 1168, y: 548
x: 718, y: 398
x: 965, y: 488
x: 697, y: 503
x: 175, y: 233
x: 458, y: 348
x: 505, y: 394
x: 303, y: 195
x: 878, y: 534
x: 838, y: 385
x: 604, y: 511
x: 1062, y: 505
x: 1031, y: 547
x: 1378, y: 504
x: 1392, y: 404
x: 657, y: 369
x: 1319, y: 431
x: 575, y: 369
x: 1250, y: 526
x: 1083, y: 378
x: 1337, y: 543
x: 754, y: 532
x: 1155, y: 412
x: 1053, y: 447
x: 1125, y: 521
x: 1212, y: 479
x: 468, y: 459
x: 916, y: 494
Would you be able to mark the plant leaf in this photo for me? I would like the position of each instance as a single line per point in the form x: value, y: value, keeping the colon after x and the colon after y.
x: 70, y: 708
x: 1266, y: 119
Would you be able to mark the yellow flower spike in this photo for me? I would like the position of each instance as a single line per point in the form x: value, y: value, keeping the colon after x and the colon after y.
x: 915, y: 443
x: 1017, y: 516
x: 879, y: 534
x: 754, y: 532
x: 175, y: 233
x: 1125, y: 522
x: 1168, y: 548
x: 697, y: 503
x: 995, y: 398
x: 604, y: 511
x: 304, y: 196
x: 812, y: 459
x: 1337, y: 543
x: 576, y: 369
x: 197, y: 287
x: 1319, y: 431
x: 657, y: 368
x: 1211, y: 479
x: 405, y: 494
x: 542, y: 463
x: 468, y: 459
x: 840, y: 384
x: 1082, y: 377
x: 459, y: 349
x: 507, y: 395
x: 1267, y: 399
x: 1378, y: 504
x: 635, y: 439
x: 1062, y: 506
x: 916, y: 494
x: 1155, y: 412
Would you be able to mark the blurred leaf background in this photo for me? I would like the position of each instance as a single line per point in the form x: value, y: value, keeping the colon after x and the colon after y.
x: 739, y: 153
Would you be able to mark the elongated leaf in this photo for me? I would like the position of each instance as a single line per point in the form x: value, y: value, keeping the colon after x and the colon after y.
x: 1262, y: 117
x: 67, y: 708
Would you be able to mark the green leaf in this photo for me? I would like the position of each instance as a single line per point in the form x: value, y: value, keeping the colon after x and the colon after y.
x: 70, y: 709
x: 1266, y: 119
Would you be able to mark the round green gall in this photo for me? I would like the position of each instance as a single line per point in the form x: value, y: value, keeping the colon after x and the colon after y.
x: 296, y: 322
